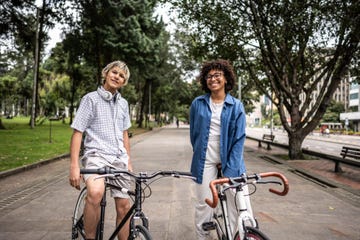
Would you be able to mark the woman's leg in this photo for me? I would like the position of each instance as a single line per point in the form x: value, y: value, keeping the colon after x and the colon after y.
x: 203, y: 213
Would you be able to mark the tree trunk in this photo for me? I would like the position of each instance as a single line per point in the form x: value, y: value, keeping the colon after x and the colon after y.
x: 73, y: 90
x: 144, y: 109
x: 295, y: 142
x: 2, y: 125
x: 143, y: 104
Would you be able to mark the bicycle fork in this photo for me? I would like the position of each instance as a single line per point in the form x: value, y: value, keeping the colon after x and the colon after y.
x: 136, y: 213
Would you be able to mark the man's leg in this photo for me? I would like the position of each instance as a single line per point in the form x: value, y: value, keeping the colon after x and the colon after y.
x: 95, y: 191
x: 122, y: 207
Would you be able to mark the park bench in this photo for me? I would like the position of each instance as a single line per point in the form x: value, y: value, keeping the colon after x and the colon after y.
x: 268, y: 139
x: 350, y: 156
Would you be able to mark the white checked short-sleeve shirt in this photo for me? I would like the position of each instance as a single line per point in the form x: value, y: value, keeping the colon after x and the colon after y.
x: 103, y: 121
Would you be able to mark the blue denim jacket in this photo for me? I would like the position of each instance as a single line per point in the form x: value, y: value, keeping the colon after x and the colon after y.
x: 232, y: 135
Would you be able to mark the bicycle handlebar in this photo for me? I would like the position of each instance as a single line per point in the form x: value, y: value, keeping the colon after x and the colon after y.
x: 284, y: 180
x: 257, y: 177
x: 141, y: 175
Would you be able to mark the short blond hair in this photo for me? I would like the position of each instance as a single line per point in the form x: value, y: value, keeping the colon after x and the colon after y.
x: 119, y: 64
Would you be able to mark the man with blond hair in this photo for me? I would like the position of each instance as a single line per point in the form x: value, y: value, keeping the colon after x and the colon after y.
x: 103, y: 116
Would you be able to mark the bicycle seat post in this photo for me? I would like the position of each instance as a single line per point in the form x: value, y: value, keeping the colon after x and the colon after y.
x: 219, y: 173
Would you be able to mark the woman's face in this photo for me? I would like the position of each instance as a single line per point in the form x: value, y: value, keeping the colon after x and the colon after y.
x: 114, y: 79
x: 216, y: 80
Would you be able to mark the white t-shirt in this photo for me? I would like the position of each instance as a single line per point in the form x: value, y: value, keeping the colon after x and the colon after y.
x: 216, y: 109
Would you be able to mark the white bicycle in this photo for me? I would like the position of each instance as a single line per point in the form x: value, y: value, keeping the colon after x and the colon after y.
x: 247, y: 226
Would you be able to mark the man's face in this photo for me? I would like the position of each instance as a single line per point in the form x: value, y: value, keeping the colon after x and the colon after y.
x: 114, y: 80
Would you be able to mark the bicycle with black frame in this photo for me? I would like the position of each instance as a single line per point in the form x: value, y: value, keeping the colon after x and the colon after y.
x: 138, y: 229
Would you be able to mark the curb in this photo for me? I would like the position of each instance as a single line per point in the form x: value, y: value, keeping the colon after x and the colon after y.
x: 346, y: 192
x: 31, y: 166
x: 17, y: 170
x: 303, y: 171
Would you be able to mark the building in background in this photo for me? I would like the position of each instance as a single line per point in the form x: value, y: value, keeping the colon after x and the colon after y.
x: 347, y: 93
x: 351, y: 117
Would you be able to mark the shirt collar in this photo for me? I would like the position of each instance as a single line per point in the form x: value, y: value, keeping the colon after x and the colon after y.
x: 228, y: 99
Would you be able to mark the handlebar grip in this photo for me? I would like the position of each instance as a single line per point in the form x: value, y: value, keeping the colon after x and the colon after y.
x: 283, y: 179
x: 214, y: 193
x: 188, y: 174
x: 93, y: 171
x: 174, y: 174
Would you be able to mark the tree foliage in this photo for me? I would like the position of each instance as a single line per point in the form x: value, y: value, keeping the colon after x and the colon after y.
x: 125, y: 30
x: 18, y: 39
x: 288, y: 49
x: 94, y: 34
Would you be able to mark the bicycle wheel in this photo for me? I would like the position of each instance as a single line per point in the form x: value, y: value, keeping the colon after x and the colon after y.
x: 141, y: 232
x: 78, y: 221
x: 252, y: 234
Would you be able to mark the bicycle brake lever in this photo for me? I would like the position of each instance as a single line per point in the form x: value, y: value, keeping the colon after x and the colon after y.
x: 177, y: 175
x: 104, y: 176
x: 266, y: 182
x: 235, y: 185
x: 189, y: 177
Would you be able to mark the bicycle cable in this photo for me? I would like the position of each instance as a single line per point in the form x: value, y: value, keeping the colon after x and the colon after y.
x: 249, y: 194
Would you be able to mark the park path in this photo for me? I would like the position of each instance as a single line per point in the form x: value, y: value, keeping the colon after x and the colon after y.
x: 38, y: 203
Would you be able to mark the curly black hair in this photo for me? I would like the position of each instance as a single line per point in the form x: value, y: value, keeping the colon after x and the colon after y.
x: 221, y: 65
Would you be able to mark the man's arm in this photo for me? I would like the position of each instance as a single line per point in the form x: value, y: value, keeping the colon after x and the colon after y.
x: 127, y: 147
x: 74, y: 176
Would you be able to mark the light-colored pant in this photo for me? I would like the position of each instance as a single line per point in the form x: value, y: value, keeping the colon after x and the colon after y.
x: 204, y: 213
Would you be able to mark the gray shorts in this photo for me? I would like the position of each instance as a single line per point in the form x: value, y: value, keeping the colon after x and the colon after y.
x: 94, y: 161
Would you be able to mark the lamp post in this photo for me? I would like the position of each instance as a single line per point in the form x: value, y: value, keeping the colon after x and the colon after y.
x: 240, y: 88
x: 38, y: 4
x: 149, y: 102
x: 271, y: 114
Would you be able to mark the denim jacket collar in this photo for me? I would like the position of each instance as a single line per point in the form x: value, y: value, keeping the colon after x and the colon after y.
x: 228, y: 99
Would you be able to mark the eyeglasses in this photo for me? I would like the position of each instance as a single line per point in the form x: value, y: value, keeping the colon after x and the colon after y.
x: 215, y: 76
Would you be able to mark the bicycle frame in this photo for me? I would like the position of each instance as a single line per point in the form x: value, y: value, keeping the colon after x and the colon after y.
x: 135, y: 212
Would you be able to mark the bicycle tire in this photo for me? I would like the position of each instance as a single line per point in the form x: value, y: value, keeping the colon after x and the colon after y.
x: 252, y: 234
x: 78, y: 232
x: 141, y: 233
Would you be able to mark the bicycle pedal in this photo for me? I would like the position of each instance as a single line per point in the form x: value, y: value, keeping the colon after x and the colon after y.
x: 207, y: 226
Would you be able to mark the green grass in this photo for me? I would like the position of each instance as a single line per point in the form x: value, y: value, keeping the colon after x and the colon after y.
x: 20, y: 145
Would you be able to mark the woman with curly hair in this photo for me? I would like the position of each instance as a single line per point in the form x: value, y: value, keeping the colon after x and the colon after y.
x: 217, y: 134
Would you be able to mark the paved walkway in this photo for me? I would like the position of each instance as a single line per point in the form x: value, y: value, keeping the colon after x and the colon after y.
x: 316, y: 167
x: 38, y: 203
